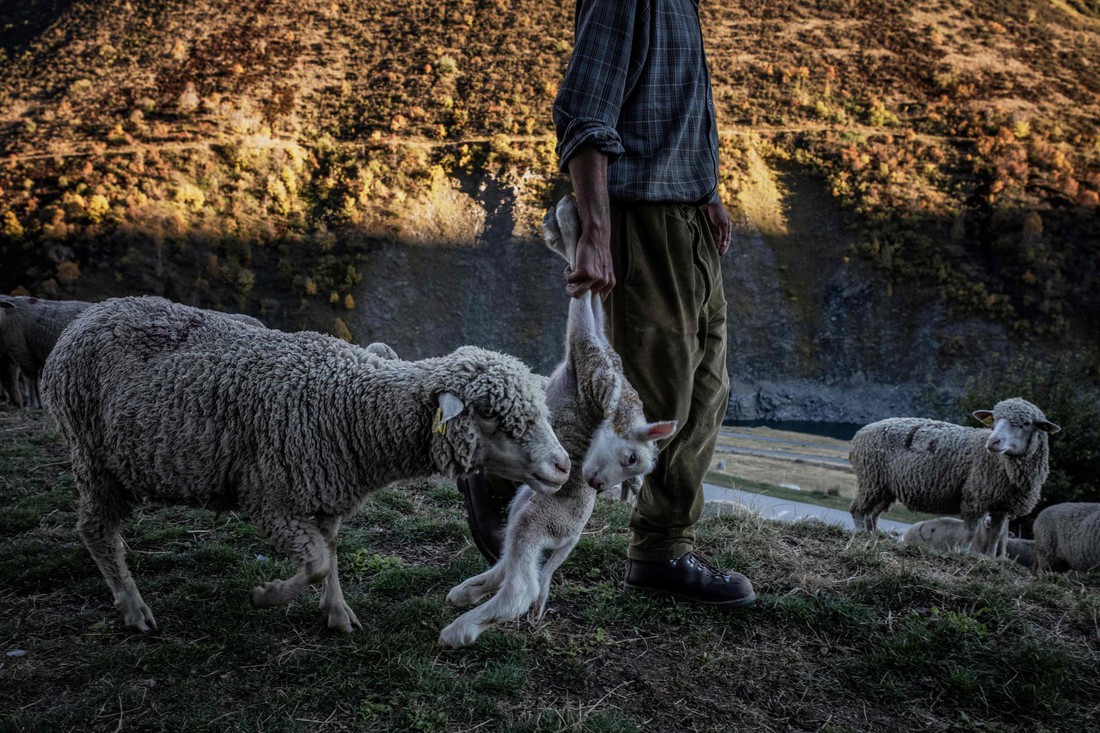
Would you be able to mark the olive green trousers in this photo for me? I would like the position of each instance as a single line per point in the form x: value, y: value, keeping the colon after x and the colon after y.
x: 667, y: 320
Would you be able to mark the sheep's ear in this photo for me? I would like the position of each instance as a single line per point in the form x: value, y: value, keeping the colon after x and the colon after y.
x: 1047, y: 426
x: 654, y: 430
x: 6, y: 304
x: 450, y: 407
x: 985, y: 417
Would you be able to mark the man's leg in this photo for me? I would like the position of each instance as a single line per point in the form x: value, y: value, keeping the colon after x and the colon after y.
x: 667, y: 319
x: 487, y: 499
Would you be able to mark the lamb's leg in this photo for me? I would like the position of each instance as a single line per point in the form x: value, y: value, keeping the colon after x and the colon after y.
x: 99, y: 515
x: 340, y: 615
x: 557, y: 557
x: 518, y: 590
x: 472, y: 590
x: 307, y: 548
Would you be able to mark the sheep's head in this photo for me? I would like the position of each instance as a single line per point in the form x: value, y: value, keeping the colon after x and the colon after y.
x: 1016, y: 424
x: 625, y: 444
x: 492, y: 415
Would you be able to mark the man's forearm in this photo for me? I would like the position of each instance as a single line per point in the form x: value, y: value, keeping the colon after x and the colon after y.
x: 588, y: 171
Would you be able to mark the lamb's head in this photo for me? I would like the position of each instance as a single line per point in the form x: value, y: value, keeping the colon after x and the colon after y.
x: 624, y: 446
x: 492, y: 415
x: 1019, y: 427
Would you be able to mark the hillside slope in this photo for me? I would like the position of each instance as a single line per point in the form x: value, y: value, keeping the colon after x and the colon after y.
x: 888, y: 162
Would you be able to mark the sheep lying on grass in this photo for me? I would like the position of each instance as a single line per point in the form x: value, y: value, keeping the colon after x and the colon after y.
x: 934, y: 466
x: 179, y: 405
x: 950, y: 533
x: 598, y: 416
x: 1067, y: 536
x: 29, y: 328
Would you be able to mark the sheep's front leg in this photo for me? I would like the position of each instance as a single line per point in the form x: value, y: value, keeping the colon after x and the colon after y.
x: 472, y: 590
x: 996, y: 537
x: 307, y: 548
x: 340, y: 615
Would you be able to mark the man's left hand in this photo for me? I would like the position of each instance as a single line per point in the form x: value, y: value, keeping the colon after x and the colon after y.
x: 720, y: 225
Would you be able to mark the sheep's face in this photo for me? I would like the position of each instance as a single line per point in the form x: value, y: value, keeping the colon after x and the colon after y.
x: 506, y: 425
x: 1015, y: 423
x: 615, y: 456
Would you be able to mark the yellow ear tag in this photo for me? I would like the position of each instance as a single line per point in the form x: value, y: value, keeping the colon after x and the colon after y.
x: 438, y: 426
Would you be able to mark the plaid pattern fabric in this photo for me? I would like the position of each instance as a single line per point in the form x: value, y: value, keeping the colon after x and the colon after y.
x: 638, y: 89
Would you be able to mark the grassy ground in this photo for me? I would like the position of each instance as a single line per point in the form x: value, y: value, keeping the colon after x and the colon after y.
x: 848, y: 634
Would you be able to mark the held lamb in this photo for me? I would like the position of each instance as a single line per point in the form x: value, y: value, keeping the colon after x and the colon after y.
x: 933, y: 466
x: 598, y: 417
x: 29, y: 328
x: 1067, y: 537
x: 178, y: 405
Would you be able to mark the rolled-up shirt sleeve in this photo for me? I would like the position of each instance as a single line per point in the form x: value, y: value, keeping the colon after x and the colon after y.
x: 591, y: 95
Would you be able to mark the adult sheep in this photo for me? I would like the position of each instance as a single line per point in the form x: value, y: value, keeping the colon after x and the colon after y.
x: 180, y: 405
x: 1067, y: 536
x: 29, y: 328
x: 933, y: 466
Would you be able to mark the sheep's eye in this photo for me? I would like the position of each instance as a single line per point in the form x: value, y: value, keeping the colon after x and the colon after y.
x: 632, y: 459
x: 484, y: 413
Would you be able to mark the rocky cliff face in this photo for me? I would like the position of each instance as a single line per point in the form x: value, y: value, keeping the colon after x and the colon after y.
x: 813, y: 335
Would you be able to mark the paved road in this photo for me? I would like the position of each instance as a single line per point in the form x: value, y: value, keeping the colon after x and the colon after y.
x: 787, y: 455
x: 785, y: 510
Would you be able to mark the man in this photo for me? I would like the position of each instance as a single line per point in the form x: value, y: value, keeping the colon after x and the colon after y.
x: 637, y: 135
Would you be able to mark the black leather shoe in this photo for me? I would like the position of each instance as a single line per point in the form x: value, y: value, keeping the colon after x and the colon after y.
x: 690, y: 577
x: 487, y: 512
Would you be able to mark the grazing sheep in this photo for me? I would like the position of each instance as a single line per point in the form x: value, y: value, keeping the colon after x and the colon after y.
x: 1067, y: 536
x: 179, y: 405
x: 598, y: 417
x: 933, y: 466
x: 29, y: 328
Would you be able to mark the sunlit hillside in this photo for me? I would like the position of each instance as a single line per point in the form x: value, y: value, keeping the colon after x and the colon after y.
x: 254, y: 152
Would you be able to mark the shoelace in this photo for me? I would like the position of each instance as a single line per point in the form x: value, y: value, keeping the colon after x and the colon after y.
x: 702, y: 560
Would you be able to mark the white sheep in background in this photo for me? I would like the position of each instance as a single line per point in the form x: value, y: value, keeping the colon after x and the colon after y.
x: 942, y: 533
x: 950, y: 533
x: 598, y: 417
x: 29, y: 328
x: 184, y: 406
x: 1067, y: 536
x: 933, y: 466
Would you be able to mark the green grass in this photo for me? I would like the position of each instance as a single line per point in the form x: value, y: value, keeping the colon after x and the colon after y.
x: 848, y: 633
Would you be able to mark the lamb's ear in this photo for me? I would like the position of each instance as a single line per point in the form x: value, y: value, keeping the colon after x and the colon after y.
x: 985, y: 417
x: 1047, y: 426
x: 6, y: 304
x: 654, y: 430
x: 450, y: 407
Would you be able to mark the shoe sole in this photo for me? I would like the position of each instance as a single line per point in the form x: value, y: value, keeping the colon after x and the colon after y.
x: 658, y: 593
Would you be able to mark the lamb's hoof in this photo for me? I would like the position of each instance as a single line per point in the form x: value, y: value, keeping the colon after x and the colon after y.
x: 267, y: 595
x: 459, y: 634
x: 342, y: 618
x: 138, y: 617
x: 465, y: 595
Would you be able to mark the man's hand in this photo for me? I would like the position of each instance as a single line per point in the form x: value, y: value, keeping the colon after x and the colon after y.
x: 720, y: 225
x: 594, y: 270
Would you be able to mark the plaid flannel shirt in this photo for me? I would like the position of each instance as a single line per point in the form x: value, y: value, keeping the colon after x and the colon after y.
x: 638, y: 89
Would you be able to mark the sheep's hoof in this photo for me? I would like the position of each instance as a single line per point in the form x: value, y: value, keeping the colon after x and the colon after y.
x: 269, y: 594
x: 138, y: 617
x: 342, y: 618
x: 459, y: 634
